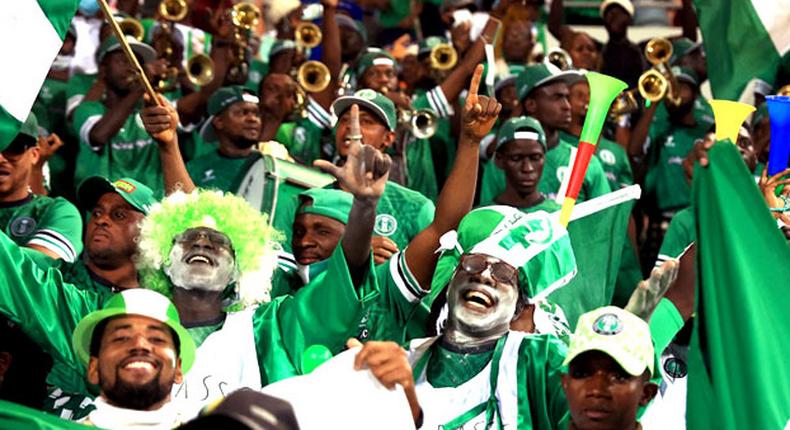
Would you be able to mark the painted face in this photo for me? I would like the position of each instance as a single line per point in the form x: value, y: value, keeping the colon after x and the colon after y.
x: 601, y: 395
x: 112, y: 229
x: 550, y: 105
x: 522, y: 161
x: 137, y: 362
x: 201, y: 259
x: 374, y: 132
x: 315, y: 237
x: 482, y: 296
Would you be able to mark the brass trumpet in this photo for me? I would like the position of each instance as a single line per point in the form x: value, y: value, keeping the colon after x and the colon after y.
x: 313, y: 76
x: 173, y: 10
x: 559, y: 58
x: 308, y: 35
x: 624, y: 103
x: 421, y: 123
x: 659, y: 82
x: 132, y: 27
x: 200, y: 70
x: 245, y: 16
x: 443, y: 57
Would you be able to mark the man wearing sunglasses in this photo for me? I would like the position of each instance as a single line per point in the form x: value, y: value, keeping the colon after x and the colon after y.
x: 50, y: 226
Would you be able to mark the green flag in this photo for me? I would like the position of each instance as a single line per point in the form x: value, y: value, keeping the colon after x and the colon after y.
x: 31, y: 34
x: 743, y: 39
x: 598, y: 233
x: 739, y: 376
x: 18, y: 417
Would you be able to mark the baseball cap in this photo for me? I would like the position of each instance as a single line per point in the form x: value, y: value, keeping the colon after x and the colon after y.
x: 538, y: 75
x: 136, y: 194
x: 370, y: 59
x: 618, y: 334
x: 522, y: 127
x: 625, y: 4
x: 226, y: 96
x: 504, y: 81
x: 682, y: 47
x: 246, y: 408
x: 136, y: 301
x: 28, y: 134
x: 425, y: 46
x: 686, y: 75
x: 335, y: 204
x: 145, y: 52
x: 281, y: 45
x: 378, y: 103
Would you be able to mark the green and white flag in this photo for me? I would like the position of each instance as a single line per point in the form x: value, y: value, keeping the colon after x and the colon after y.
x: 31, y: 34
x: 744, y: 40
x: 739, y: 376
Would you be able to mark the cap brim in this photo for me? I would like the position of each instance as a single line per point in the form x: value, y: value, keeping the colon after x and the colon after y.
x: 207, y: 132
x: 90, y: 191
x: 632, y: 367
x: 341, y: 104
x: 567, y: 76
x: 81, y: 339
x: 146, y: 53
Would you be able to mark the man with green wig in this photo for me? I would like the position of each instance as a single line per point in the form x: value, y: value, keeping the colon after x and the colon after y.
x: 213, y: 254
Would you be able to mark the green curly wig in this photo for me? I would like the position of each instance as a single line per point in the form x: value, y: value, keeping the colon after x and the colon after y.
x: 254, y: 241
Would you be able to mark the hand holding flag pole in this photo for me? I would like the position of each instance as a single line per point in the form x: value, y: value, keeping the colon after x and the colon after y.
x: 138, y: 69
x: 603, y: 90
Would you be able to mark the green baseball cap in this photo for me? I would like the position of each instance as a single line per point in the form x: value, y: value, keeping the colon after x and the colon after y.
x: 335, y: 204
x: 617, y: 333
x: 521, y: 127
x: 537, y: 75
x: 145, y: 52
x: 137, y: 301
x: 682, y: 47
x: 686, y: 75
x: 29, y: 130
x: 366, y: 98
x: 370, y: 59
x: 426, y: 45
x: 136, y: 194
x: 281, y: 45
x: 226, y: 96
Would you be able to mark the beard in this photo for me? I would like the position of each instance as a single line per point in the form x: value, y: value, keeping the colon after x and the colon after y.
x: 242, y: 142
x: 139, y: 397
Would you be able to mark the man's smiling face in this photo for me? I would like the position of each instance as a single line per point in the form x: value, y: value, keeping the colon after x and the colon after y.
x: 203, y: 259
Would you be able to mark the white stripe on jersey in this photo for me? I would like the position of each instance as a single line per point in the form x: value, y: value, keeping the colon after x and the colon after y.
x: 404, y: 280
x: 86, y: 128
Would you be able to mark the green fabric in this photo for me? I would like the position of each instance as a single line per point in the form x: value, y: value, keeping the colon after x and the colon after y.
x: 665, y: 323
x: 507, y: 131
x: 737, y: 356
x: 703, y: 116
x: 448, y: 368
x: 335, y: 204
x: 200, y: 333
x: 130, y: 153
x: 397, y: 11
x: 53, y: 223
x: 50, y: 105
x: 258, y: 70
x: 9, y: 128
x: 78, y: 275
x: 597, y: 242
x: 50, y: 109
x: 136, y: 194
x: 303, y: 140
x: 421, y: 171
x: 226, y: 96
x: 666, y: 180
x: 680, y: 234
x: 18, y: 417
x: 216, y: 171
x: 613, y: 158
x: 628, y: 276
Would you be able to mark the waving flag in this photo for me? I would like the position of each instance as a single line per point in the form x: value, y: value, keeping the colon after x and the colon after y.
x: 31, y: 34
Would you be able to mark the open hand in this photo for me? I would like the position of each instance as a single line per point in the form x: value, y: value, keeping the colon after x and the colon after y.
x: 161, y: 121
x: 480, y: 112
x: 649, y: 292
x: 768, y: 188
x: 366, y: 169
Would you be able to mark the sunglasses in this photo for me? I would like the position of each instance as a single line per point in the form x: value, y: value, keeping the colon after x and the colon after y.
x: 502, y: 272
x: 194, y: 234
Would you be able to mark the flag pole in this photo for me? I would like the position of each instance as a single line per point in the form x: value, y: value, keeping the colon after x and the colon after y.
x: 127, y: 50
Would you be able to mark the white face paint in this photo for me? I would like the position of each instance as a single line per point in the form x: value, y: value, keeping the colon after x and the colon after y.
x: 214, y: 276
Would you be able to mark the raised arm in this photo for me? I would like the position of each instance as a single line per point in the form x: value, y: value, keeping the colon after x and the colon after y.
x: 161, y: 123
x: 557, y: 29
x: 330, y: 55
x: 457, y: 195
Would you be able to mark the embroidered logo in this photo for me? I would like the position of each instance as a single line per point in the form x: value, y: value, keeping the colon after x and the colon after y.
x: 607, y: 325
x: 23, y: 226
x: 385, y: 225
x: 126, y: 187
x: 607, y: 156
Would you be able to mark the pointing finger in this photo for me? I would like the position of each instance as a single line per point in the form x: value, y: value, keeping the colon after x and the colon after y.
x: 476, y: 77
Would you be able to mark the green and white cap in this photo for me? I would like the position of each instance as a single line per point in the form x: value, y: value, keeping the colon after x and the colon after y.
x: 137, y: 301
x: 536, y: 244
x: 520, y: 127
x: 625, y: 4
x: 370, y: 59
x: 374, y: 101
x: 111, y: 44
x: 682, y: 47
x: 281, y: 45
x: 537, y: 75
x: 425, y: 46
x: 335, y: 204
x: 686, y: 74
x: 618, y: 334
x: 135, y: 193
x: 226, y: 96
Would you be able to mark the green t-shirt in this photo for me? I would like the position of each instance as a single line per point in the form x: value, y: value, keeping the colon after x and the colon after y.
x: 308, y: 137
x: 78, y: 85
x: 216, y: 171
x: 680, y: 234
x: 50, y: 105
x: 54, y: 224
x: 703, y: 115
x: 398, y: 10
x: 554, y: 168
x: 546, y: 204
x: 130, y: 153
x: 614, y: 160
x: 666, y: 180
x: 438, y: 150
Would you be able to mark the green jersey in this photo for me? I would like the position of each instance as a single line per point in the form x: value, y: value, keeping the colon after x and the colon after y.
x: 217, y: 171
x: 306, y: 137
x: 421, y: 153
x: 680, y: 234
x: 132, y: 152
x: 77, y: 87
x: 50, y: 110
x: 54, y: 224
x: 614, y: 160
x: 703, y: 115
x: 666, y: 180
x: 547, y: 205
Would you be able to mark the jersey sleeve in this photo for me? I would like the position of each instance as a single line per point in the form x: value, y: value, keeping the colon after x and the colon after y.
x: 400, y: 291
x: 424, y: 217
x: 60, y: 230
x: 678, y: 237
x: 86, y: 115
x: 436, y: 101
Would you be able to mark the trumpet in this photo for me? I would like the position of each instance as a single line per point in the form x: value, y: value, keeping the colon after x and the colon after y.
x: 624, y: 103
x: 421, y: 123
x: 173, y: 10
x: 313, y: 76
x: 132, y: 27
x: 560, y: 58
x: 245, y: 16
x: 443, y: 57
x: 308, y: 35
x: 659, y: 82
x: 200, y: 70
x: 170, y: 11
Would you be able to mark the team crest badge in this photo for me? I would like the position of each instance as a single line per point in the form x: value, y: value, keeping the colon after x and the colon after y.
x: 366, y: 94
x: 23, y: 226
x: 606, y: 156
x: 385, y: 225
x: 675, y: 368
x: 608, y: 325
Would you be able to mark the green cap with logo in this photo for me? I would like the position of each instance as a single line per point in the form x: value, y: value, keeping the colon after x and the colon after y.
x: 682, y: 47
x: 145, y: 52
x: 372, y: 100
x: 335, y: 204
x: 685, y: 74
x: 425, y: 46
x: 137, y: 301
x: 226, y: 96
x: 281, y: 45
x: 136, y: 194
x: 617, y: 333
x: 370, y: 59
x: 537, y: 75
x: 521, y: 127
x: 535, y: 244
